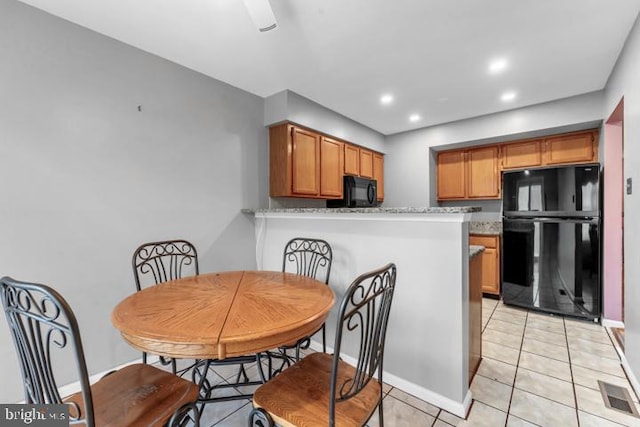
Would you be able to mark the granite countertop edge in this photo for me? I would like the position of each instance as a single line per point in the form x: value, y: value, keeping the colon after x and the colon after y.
x: 425, y: 210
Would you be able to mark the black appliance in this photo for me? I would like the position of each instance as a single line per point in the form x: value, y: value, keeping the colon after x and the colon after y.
x: 551, y: 242
x: 357, y: 192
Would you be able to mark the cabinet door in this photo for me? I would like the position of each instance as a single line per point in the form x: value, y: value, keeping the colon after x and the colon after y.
x: 351, y: 160
x: 490, y: 263
x: 378, y: 174
x: 483, y: 175
x: 573, y: 148
x: 522, y: 154
x: 366, y: 163
x: 305, y: 161
x: 451, y: 175
x: 331, y: 167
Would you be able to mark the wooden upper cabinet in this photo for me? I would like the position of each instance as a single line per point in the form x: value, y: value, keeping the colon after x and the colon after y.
x: 366, y: 163
x: 578, y: 147
x: 451, y: 175
x: 465, y: 174
x: 351, y: 160
x: 483, y: 174
x: 522, y: 154
x: 378, y: 174
x: 331, y: 167
x: 305, y: 160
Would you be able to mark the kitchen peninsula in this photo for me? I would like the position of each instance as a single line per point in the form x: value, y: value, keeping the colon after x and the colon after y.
x: 427, y: 347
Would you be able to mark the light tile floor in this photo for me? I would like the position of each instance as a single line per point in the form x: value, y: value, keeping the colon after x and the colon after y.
x: 537, y: 370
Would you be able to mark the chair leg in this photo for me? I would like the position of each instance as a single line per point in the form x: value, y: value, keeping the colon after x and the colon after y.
x: 381, y: 414
x: 144, y: 358
x: 185, y: 414
x: 324, y: 340
x: 260, y: 418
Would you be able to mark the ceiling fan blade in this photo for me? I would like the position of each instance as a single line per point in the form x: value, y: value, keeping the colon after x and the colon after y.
x: 261, y: 14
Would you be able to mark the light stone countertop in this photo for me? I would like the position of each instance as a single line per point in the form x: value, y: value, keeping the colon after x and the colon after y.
x: 485, y: 227
x: 426, y: 210
x: 475, y: 250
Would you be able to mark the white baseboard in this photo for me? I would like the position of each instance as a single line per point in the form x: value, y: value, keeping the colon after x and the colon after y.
x: 607, y: 323
x: 460, y: 409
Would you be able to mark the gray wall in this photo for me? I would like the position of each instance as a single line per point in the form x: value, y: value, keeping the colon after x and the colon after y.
x: 86, y: 177
x: 625, y: 82
x: 410, y: 161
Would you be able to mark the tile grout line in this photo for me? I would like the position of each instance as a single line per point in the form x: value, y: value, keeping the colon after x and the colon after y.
x: 573, y: 384
x: 515, y: 376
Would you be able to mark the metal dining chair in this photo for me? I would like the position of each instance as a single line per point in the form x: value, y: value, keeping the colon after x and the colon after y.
x: 46, y: 336
x: 311, y: 258
x: 157, y: 262
x: 322, y: 389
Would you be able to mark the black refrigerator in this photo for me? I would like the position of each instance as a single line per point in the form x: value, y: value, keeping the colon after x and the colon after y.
x: 551, y: 241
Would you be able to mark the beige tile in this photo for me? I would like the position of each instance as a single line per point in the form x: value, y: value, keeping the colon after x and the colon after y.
x: 507, y: 316
x: 500, y: 352
x: 482, y: 415
x: 545, y: 336
x: 502, y: 326
x: 545, y: 365
x: 597, y: 363
x: 588, y: 420
x: 503, y: 338
x: 546, y: 349
x: 489, y: 303
x: 440, y: 423
x: 545, y: 386
x: 545, y: 325
x: 584, y: 324
x: 449, y: 418
x: 514, y: 421
x: 386, y: 388
x: 591, y: 401
x: 216, y: 411
x: 517, y: 311
x: 237, y: 419
x: 398, y: 413
x: 541, y: 411
x: 415, y: 402
x: 589, y: 378
x: 597, y: 336
x: 545, y: 317
x: 604, y: 350
x: 490, y: 392
x: 497, y: 370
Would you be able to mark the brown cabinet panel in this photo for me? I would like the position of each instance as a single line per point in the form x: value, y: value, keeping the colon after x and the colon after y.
x: 490, y: 262
x: 305, y: 161
x: 366, y: 163
x: 451, y: 175
x: 521, y: 154
x: 483, y: 180
x: 331, y: 167
x: 475, y: 315
x: 572, y: 148
x: 378, y: 174
x: 351, y: 160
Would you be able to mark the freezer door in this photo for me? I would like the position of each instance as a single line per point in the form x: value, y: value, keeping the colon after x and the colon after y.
x: 552, y: 265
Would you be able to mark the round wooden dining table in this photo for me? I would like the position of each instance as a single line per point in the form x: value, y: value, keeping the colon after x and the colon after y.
x: 226, y: 314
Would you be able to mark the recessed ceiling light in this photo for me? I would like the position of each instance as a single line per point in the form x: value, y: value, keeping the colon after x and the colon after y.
x: 386, y: 99
x: 508, y: 96
x: 497, y: 66
x: 414, y: 118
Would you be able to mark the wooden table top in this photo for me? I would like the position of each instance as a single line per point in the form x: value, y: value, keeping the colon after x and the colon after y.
x: 225, y: 314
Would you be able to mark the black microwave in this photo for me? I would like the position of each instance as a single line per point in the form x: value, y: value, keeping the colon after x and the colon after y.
x: 357, y: 193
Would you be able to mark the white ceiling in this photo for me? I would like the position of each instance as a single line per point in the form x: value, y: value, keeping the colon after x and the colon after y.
x: 432, y: 55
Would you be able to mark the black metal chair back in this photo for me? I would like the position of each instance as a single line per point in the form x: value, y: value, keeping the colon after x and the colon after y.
x: 363, y: 318
x: 44, y: 331
x: 308, y: 257
x: 158, y: 262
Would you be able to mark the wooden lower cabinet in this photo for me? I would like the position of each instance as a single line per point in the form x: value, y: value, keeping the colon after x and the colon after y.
x: 490, y: 262
x: 475, y: 314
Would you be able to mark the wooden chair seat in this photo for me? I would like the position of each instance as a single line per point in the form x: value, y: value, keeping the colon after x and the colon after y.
x: 299, y: 396
x: 137, y: 395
